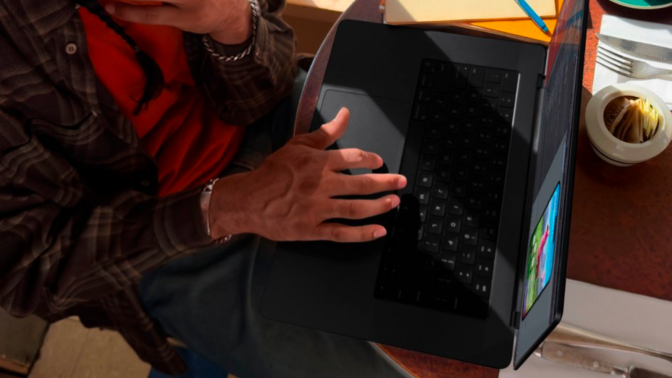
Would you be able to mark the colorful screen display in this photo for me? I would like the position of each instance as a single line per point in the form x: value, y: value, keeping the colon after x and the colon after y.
x: 540, y: 255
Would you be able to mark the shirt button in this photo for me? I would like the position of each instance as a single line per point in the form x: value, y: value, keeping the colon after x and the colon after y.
x: 144, y: 183
x: 71, y: 48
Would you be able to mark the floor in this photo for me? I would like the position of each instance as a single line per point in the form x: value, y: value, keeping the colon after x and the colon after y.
x: 72, y: 351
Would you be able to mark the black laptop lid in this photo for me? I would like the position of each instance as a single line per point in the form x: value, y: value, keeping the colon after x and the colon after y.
x: 542, y: 281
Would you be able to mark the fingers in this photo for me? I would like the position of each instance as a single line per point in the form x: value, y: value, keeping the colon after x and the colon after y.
x: 328, y: 134
x: 347, y: 234
x: 144, y: 14
x: 362, y: 209
x: 351, y: 158
x: 366, y: 184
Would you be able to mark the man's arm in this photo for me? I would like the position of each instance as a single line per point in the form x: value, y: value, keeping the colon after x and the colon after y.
x: 240, y: 91
x: 61, y: 244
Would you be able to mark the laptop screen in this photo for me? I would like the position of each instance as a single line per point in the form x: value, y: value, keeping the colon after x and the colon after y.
x: 543, y: 276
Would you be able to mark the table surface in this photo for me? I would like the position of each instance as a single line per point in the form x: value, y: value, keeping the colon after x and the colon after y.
x: 621, y: 217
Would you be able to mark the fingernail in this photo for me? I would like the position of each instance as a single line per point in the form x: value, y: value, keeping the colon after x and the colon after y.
x: 379, y: 233
x: 110, y: 8
x: 401, y: 183
x: 394, y: 202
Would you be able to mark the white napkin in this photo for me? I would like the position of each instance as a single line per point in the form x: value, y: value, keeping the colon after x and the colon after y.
x: 628, y: 317
x: 647, y: 32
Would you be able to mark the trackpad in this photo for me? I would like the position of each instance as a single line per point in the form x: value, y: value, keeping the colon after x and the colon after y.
x: 377, y: 124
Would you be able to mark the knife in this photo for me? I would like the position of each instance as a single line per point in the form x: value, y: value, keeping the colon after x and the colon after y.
x: 641, y: 49
x: 578, y: 357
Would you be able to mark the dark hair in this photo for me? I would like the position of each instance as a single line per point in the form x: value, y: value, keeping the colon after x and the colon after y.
x: 154, y: 77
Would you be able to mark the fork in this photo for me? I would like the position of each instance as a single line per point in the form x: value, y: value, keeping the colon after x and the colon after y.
x: 629, y: 67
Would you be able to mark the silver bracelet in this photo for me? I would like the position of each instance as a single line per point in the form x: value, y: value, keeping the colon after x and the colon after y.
x: 206, y: 194
x: 254, y: 4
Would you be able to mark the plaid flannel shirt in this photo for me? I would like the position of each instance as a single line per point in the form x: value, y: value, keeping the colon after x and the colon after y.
x: 80, y: 221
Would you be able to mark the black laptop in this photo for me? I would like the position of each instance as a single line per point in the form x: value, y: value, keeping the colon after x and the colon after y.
x: 473, y: 266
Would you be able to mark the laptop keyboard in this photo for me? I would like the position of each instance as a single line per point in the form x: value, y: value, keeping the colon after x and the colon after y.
x: 441, y: 251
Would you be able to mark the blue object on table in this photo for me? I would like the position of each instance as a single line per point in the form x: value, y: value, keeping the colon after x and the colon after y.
x: 198, y: 367
x: 533, y: 15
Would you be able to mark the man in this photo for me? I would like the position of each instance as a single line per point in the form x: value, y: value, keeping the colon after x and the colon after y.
x: 114, y: 119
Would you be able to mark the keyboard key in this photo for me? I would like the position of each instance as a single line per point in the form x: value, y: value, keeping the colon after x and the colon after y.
x: 477, y: 77
x: 491, y: 213
x: 491, y: 90
x: 450, y: 242
x: 470, y: 237
x: 494, y: 76
x: 467, y: 256
x: 465, y: 141
x: 493, y: 197
x: 454, y: 112
x: 421, y: 112
x: 427, y: 163
x: 463, y: 157
x: 496, y: 179
x: 423, y: 196
x: 500, y: 147
x: 455, y: 207
x: 490, y: 105
x: 477, y: 187
x: 440, y: 101
x: 430, y: 244
x: 481, y: 287
x: 433, y: 132
x: 508, y: 100
x: 472, y: 110
x: 479, y: 169
x: 430, y: 147
x: 471, y: 220
x: 458, y: 190
x: 483, y: 267
x: 452, y: 127
x: 481, y: 153
x: 436, y: 116
x: 489, y: 233
x: 505, y: 115
x: 421, y: 233
x: 429, y: 66
x: 474, y: 203
x: 443, y: 174
x: 438, y: 208
x: 425, y: 180
x: 468, y: 126
x: 448, y: 144
x: 484, y: 137
x: 475, y: 94
x: 427, y: 80
x: 424, y: 95
x: 440, y: 192
x: 510, y: 82
x: 486, y: 248
x: 423, y: 214
x: 445, y: 158
x: 453, y: 224
x: 434, y: 226
x: 464, y: 273
x: 448, y: 261
x: 457, y: 97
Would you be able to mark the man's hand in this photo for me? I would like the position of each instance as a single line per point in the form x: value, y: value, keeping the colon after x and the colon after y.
x: 292, y: 194
x: 227, y: 21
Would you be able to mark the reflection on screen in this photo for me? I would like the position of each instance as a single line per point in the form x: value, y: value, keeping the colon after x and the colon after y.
x: 540, y: 254
x: 561, y: 97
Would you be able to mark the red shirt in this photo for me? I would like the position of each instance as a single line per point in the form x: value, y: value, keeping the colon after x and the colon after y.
x: 179, y: 129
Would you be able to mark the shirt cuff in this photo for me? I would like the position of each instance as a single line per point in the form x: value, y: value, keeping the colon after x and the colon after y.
x: 178, y: 222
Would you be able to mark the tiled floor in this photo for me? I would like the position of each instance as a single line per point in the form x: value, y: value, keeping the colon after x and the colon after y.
x: 72, y: 351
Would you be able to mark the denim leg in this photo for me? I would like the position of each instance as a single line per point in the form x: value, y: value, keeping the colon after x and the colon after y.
x: 210, y: 301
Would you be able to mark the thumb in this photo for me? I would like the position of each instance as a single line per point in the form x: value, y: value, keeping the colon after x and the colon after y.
x: 330, y: 132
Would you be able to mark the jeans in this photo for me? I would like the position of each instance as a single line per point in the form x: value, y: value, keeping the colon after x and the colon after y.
x: 211, y: 300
